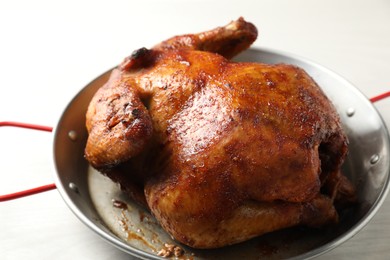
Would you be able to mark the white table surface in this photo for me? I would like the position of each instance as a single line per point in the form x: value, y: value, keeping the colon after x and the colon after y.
x: 49, y: 50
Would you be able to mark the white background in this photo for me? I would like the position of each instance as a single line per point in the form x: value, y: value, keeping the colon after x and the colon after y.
x: 49, y: 50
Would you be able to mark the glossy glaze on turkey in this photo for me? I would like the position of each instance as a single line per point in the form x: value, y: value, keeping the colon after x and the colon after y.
x: 219, y: 151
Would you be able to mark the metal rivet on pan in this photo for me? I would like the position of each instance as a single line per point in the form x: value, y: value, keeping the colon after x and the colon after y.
x: 374, y: 159
x: 350, y: 111
x: 73, y: 187
x: 72, y: 135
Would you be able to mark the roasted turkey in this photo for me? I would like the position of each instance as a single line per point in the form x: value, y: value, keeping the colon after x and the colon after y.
x: 219, y: 151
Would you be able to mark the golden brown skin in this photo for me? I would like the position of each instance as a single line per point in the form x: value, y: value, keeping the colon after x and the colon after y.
x: 223, y: 151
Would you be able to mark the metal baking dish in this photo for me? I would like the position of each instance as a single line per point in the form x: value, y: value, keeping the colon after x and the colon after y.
x: 100, y: 204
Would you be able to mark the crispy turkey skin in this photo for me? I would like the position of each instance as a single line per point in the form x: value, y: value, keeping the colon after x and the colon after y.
x: 219, y: 151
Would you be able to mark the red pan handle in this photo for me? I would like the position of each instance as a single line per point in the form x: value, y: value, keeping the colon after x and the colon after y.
x: 32, y: 191
x: 52, y: 186
x: 380, y: 97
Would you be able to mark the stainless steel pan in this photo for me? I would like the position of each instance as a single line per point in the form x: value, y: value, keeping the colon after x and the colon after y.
x: 99, y: 203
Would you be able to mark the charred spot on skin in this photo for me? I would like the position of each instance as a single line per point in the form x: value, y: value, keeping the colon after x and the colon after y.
x: 136, y: 112
x: 141, y: 52
x: 137, y: 59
